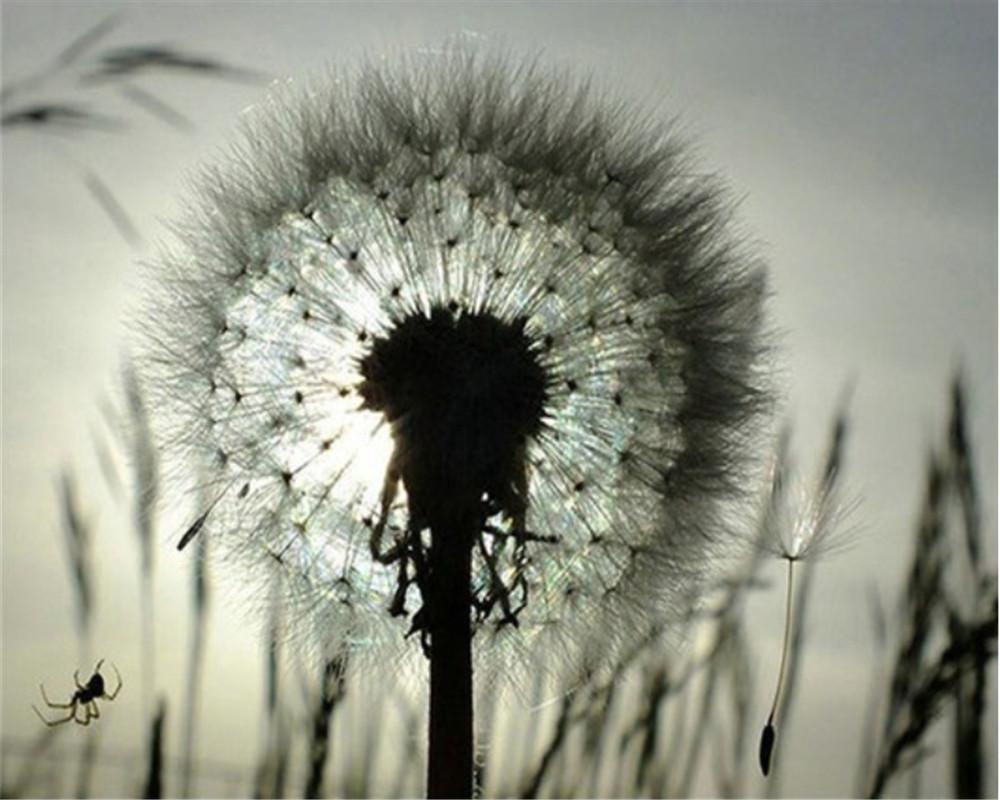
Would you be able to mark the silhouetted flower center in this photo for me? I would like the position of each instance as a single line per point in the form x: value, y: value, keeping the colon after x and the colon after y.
x: 463, y: 392
x: 459, y: 335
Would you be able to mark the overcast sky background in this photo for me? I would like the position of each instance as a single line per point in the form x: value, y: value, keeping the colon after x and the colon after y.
x: 861, y: 139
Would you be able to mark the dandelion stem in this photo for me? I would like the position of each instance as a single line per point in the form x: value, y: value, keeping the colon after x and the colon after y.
x: 786, y: 644
x: 449, y: 760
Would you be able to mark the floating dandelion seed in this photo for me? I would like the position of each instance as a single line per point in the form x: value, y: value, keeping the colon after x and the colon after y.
x: 808, y: 525
x: 466, y: 352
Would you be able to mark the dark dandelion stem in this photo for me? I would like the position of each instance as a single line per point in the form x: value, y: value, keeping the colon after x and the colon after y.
x: 769, y: 734
x: 449, y: 759
x: 463, y: 393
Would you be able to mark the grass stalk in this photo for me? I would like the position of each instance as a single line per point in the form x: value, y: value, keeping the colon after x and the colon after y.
x: 79, y: 545
x: 146, y: 476
x: 563, y: 720
x: 154, y: 787
x: 331, y: 692
x: 970, y: 693
x: 195, y: 661
x: 268, y: 768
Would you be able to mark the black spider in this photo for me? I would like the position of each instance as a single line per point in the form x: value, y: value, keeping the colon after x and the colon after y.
x: 87, y: 696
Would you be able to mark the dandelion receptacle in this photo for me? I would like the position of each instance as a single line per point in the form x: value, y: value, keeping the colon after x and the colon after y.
x: 472, y: 356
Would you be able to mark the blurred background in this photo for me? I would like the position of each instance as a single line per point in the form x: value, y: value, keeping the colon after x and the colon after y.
x: 861, y: 140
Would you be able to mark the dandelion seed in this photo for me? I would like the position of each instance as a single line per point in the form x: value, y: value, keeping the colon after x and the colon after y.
x: 491, y: 362
x: 766, y: 747
x: 193, y: 530
x: 813, y: 524
x: 808, y: 527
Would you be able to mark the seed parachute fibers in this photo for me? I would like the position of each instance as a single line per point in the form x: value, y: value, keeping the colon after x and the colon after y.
x: 460, y: 307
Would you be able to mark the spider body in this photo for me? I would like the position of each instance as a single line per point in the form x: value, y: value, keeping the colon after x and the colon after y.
x: 85, y: 697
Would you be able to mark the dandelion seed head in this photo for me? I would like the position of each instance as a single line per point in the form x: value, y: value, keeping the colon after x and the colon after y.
x: 481, y: 275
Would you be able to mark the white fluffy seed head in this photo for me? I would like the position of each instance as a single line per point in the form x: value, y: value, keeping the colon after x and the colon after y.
x: 469, y: 183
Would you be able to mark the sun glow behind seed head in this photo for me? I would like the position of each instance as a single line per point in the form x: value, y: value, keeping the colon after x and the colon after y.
x: 407, y: 196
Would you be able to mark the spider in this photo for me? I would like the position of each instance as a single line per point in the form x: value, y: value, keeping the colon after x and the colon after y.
x: 87, y: 696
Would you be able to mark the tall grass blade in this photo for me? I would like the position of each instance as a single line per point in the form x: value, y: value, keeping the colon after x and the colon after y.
x: 269, y: 771
x: 111, y: 206
x: 153, y: 105
x: 35, y: 757
x: 199, y: 626
x: 534, y: 782
x: 77, y: 538
x: 68, y: 56
x: 153, y: 787
x: 146, y: 480
x: 968, y: 761
x: 331, y: 693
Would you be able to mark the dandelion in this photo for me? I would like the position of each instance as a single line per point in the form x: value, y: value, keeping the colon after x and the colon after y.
x: 471, y: 354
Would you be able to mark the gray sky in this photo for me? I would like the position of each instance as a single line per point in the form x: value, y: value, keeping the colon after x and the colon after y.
x: 862, y: 139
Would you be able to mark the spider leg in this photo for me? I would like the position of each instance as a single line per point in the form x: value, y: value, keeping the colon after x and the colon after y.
x: 53, y: 722
x: 76, y: 679
x: 86, y: 716
x: 50, y: 704
x: 92, y: 706
x: 118, y: 688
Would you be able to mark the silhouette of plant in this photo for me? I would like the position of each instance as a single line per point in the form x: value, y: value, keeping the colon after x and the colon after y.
x: 465, y: 351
